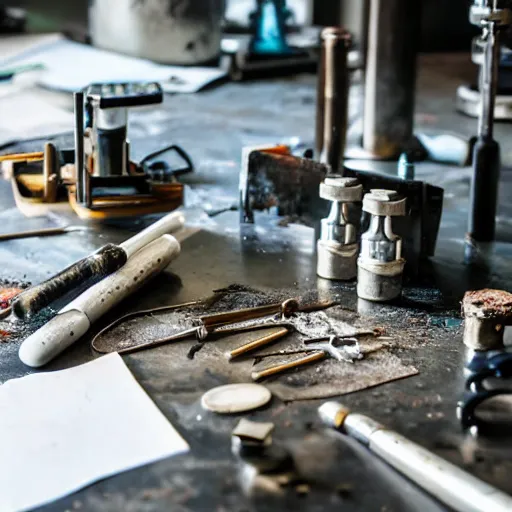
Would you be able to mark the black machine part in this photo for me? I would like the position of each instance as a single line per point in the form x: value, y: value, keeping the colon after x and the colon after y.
x: 489, y: 375
x: 107, y: 116
x: 160, y: 166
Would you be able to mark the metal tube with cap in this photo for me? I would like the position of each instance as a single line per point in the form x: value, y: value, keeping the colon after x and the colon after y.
x: 332, y: 97
x: 74, y: 320
x: 448, y: 483
x: 390, y: 77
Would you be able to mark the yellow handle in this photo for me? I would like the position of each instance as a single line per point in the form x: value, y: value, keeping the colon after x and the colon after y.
x: 316, y: 356
x: 22, y: 157
x: 260, y: 342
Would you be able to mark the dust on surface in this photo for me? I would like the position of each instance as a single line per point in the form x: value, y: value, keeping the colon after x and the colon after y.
x: 389, y: 343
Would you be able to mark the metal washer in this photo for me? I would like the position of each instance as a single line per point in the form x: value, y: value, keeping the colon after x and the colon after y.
x: 234, y: 398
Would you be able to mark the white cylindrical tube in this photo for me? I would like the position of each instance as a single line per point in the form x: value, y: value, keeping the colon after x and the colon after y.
x: 74, y: 320
x: 168, y: 224
x: 445, y: 481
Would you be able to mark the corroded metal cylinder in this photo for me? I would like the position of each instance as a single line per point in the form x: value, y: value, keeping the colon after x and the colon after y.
x: 332, y: 97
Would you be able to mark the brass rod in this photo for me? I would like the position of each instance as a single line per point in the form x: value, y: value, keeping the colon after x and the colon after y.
x: 316, y: 356
x: 258, y: 343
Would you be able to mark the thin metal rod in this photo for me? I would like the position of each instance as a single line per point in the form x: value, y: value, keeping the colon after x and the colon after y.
x: 489, y: 81
x: 41, y: 232
x: 33, y: 233
x: 332, y: 97
x: 483, y: 199
x: 81, y: 179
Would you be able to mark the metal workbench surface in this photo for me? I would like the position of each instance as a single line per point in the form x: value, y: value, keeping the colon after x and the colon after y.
x: 213, y: 126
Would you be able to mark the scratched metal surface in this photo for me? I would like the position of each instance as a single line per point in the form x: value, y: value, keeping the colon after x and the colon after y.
x: 213, y: 126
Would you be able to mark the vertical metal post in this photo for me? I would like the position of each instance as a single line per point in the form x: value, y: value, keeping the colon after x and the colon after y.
x: 486, y: 153
x: 332, y: 97
x: 80, y: 171
x: 390, y: 78
x: 354, y: 17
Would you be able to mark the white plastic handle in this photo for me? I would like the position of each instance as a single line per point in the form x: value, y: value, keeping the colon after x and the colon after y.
x: 75, y: 319
x: 168, y: 224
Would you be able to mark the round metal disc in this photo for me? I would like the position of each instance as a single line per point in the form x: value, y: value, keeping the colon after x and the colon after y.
x: 235, y: 398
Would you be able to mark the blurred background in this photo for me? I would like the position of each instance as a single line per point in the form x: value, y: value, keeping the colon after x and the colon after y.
x: 445, y: 24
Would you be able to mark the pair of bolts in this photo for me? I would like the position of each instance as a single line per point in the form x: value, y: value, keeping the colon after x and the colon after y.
x: 377, y: 260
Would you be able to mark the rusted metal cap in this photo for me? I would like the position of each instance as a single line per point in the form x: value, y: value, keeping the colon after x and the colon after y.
x: 488, y: 303
x: 486, y: 312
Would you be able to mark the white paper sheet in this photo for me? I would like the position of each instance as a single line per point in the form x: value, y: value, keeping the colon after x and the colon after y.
x: 16, y: 45
x: 71, y: 66
x: 25, y: 115
x: 64, y: 430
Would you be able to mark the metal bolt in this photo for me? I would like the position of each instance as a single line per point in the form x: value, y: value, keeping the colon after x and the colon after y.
x: 380, y: 263
x: 338, y: 245
x: 406, y: 168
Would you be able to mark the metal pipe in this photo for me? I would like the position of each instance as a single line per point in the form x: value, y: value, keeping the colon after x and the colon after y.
x: 390, y: 80
x: 81, y: 183
x: 332, y: 97
x: 486, y: 153
x: 489, y: 82
x: 460, y: 490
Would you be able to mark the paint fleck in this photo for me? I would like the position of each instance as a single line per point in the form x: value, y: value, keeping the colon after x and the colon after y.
x: 6, y: 296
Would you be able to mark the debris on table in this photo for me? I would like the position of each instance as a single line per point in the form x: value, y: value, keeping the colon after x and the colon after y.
x: 253, y: 430
x: 376, y: 342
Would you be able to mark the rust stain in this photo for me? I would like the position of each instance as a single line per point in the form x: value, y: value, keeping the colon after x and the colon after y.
x: 6, y: 296
x: 492, y: 303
